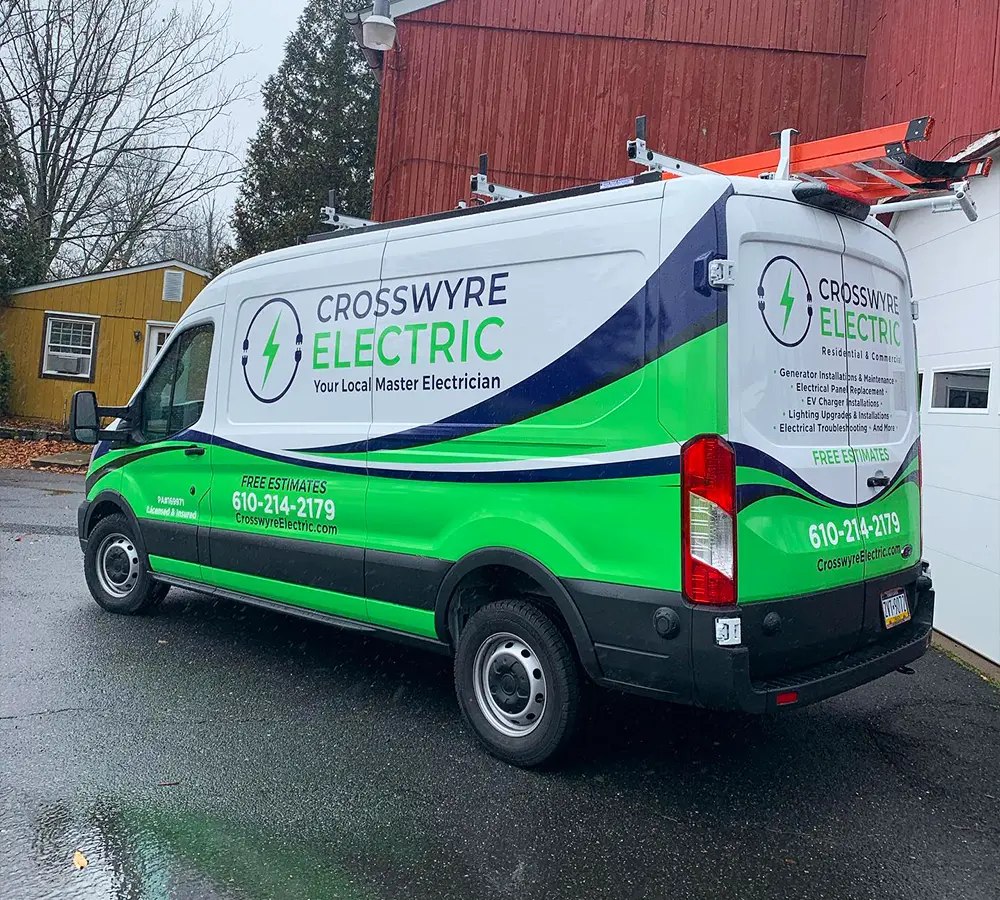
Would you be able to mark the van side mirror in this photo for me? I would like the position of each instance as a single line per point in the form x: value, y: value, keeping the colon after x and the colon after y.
x: 83, y: 419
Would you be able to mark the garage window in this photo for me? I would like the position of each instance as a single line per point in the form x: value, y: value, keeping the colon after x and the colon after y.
x: 70, y: 345
x: 966, y: 389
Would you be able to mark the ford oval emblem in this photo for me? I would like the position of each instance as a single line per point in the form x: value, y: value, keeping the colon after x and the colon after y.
x: 907, y: 551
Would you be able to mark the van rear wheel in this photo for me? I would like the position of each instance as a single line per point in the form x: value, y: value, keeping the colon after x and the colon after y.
x: 517, y: 683
x: 116, y: 571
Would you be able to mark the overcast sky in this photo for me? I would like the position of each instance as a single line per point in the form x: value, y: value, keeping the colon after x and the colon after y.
x: 261, y: 26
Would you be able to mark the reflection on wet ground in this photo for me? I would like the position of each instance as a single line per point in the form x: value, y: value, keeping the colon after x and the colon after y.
x: 134, y: 855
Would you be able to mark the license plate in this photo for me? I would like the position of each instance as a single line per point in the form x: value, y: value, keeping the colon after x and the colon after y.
x: 895, y: 608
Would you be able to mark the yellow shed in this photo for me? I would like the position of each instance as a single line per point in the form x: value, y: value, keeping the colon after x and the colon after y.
x: 97, y: 331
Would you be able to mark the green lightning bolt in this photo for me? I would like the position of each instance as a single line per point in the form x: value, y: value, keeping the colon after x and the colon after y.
x: 271, y: 348
x: 787, y: 301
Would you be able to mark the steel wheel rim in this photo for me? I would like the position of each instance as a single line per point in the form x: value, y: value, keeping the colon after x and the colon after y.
x: 509, y: 684
x: 117, y: 565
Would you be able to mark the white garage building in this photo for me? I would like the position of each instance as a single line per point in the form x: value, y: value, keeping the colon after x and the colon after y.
x: 955, y: 269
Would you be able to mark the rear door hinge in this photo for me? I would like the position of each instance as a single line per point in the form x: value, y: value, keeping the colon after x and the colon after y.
x: 915, y: 309
x: 721, y: 273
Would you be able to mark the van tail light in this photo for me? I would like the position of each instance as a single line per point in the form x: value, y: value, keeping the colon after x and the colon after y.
x: 708, y: 520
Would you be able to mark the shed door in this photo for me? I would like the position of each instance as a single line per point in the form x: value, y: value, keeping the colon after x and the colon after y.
x: 156, y: 337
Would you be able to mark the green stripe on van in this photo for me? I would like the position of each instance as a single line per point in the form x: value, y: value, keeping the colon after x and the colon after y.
x: 386, y: 615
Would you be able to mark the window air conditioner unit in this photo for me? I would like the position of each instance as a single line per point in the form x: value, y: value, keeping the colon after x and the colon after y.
x: 67, y: 365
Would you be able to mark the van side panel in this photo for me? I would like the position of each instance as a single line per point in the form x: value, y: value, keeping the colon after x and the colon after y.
x: 564, y: 456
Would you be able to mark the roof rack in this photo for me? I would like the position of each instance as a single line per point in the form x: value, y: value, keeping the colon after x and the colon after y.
x: 340, y: 222
x: 874, y: 167
x: 525, y: 199
x: 481, y: 186
x: 641, y: 155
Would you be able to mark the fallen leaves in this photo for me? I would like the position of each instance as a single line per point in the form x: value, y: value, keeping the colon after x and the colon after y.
x: 18, y: 454
x: 79, y: 860
x: 35, y: 424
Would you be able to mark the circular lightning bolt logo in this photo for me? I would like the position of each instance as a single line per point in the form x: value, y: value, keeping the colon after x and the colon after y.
x: 275, y: 328
x: 794, y: 291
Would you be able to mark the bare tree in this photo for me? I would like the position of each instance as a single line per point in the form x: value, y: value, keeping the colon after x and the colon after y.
x: 199, y: 238
x: 117, y: 111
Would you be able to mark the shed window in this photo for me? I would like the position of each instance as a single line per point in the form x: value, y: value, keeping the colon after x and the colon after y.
x: 961, y: 389
x: 70, y: 346
x: 173, y: 286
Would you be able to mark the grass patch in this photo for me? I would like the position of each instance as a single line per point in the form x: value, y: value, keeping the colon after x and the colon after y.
x: 965, y: 664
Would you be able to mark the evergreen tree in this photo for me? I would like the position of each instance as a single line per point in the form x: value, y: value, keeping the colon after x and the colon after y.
x: 21, y: 249
x: 317, y: 134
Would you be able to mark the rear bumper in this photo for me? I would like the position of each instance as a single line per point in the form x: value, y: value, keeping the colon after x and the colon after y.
x: 819, y: 653
x: 728, y: 684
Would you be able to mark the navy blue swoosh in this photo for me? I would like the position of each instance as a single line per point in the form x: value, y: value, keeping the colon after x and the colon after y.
x: 752, y: 457
x: 748, y: 494
x: 666, y: 312
x: 125, y: 458
x: 632, y: 468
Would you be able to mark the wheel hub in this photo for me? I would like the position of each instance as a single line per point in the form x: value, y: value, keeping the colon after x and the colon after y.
x: 117, y: 565
x: 509, y: 684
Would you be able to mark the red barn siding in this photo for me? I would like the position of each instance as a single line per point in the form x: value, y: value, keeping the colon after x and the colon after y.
x: 817, y: 26
x: 551, y: 90
x: 926, y: 56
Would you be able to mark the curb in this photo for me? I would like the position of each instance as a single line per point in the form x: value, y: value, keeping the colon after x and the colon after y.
x: 46, y: 462
x: 988, y: 669
x: 32, y: 434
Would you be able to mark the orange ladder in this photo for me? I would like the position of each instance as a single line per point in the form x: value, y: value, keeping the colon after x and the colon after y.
x: 868, y: 165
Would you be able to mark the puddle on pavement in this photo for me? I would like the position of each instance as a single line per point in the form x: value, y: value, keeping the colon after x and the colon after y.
x: 129, y: 855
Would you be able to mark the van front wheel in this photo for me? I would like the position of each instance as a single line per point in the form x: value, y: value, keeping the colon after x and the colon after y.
x: 517, y: 682
x: 115, y: 570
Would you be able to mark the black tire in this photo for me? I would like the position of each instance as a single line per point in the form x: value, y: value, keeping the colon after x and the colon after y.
x: 522, y: 731
x: 116, y: 569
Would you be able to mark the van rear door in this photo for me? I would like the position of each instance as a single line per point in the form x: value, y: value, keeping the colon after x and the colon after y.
x: 797, y: 483
x: 873, y: 306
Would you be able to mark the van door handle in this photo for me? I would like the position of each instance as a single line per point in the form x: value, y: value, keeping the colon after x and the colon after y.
x: 194, y: 450
x: 877, y: 481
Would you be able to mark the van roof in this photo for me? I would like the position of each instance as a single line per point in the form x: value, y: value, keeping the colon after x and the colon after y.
x: 320, y: 243
x: 310, y: 247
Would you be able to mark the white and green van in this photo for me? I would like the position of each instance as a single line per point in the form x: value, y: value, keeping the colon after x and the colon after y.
x: 658, y: 434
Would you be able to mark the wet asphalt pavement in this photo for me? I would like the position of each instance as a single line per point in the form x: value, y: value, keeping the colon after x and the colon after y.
x: 216, y: 751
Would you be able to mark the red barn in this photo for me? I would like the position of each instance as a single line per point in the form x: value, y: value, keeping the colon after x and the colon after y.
x: 551, y: 88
